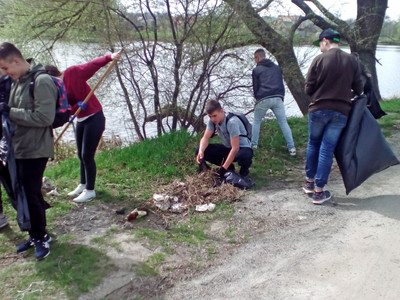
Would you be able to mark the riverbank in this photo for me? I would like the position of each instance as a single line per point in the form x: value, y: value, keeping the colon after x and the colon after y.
x: 119, y: 123
x: 96, y: 254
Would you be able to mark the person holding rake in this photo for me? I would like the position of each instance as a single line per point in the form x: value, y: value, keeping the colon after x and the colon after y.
x: 90, y: 123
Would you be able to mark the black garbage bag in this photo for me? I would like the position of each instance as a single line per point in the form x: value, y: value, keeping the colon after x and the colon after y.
x: 362, y: 149
x: 238, y: 181
x: 18, y: 200
x: 372, y: 101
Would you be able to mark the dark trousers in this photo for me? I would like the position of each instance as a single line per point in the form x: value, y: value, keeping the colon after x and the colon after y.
x: 30, y: 173
x: 217, y: 154
x: 88, y: 134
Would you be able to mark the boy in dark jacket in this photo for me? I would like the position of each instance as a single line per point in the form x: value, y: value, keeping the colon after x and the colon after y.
x: 269, y: 92
x: 330, y: 80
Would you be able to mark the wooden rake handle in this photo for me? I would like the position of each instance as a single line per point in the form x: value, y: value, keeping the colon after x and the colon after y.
x: 108, y: 70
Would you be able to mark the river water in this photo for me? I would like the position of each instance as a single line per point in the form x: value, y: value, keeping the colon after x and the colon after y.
x: 120, y: 126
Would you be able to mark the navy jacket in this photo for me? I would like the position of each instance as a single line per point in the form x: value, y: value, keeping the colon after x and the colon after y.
x: 267, y: 80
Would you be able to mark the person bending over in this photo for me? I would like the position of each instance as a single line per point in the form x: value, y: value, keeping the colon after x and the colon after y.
x: 90, y: 120
x: 236, y: 146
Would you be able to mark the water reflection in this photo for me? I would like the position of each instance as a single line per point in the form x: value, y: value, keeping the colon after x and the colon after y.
x: 118, y: 121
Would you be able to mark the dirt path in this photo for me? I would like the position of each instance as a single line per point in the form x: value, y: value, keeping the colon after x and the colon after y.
x: 349, y: 249
x: 287, y: 248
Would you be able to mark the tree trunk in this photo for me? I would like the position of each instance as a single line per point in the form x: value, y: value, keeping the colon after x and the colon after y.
x: 280, y: 47
x: 370, y: 18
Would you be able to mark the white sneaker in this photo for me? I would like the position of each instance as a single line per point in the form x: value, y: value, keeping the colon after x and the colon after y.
x: 292, y: 151
x: 85, y: 196
x: 79, y: 189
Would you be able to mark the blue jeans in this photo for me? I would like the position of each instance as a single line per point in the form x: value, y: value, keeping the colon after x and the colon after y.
x: 277, y: 107
x: 324, y: 130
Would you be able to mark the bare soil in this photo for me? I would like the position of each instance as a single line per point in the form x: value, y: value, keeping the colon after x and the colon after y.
x: 281, y: 246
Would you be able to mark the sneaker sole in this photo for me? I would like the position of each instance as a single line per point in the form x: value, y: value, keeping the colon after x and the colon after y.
x: 318, y: 202
x: 83, y: 201
x: 308, y: 191
x: 3, y: 225
x: 73, y: 194
x: 40, y: 258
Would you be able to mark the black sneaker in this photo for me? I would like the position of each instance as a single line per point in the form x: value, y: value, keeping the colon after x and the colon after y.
x: 29, y: 243
x: 42, y: 249
x: 321, y: 197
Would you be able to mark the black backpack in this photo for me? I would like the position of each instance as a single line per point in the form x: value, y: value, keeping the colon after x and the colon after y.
x: 63, y: 109
x: 244, y: 120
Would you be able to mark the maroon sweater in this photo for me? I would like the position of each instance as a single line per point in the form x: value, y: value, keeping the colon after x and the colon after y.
x: 330, y: 79
x: 75, y: 78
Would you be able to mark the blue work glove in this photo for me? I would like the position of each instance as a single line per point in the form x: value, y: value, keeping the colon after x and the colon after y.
x: 82, y: 105
x: 4, y: 108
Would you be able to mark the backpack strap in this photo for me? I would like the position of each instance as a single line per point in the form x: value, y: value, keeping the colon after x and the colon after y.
x: 32, y: 83
x: 32, y: 88
x: 229, y: 116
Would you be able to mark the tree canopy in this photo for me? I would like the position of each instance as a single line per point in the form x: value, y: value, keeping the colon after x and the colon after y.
x: 179, y: 54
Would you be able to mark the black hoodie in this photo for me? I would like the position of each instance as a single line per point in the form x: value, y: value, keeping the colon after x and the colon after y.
x: 267, y: 80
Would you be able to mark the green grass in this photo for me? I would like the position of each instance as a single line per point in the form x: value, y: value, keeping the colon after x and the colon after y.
x: 149, y: 267
x: 185, y: 234
x: 133, y: 172
x: 271, y: 159
x: 127, y: 178
x: 70, y: 270
x: 390, y: 122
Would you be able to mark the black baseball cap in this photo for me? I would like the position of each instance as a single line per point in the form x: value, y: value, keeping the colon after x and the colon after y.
x: 329, y: 34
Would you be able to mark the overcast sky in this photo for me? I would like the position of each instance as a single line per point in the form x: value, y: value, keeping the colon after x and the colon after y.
x: 347, y: 9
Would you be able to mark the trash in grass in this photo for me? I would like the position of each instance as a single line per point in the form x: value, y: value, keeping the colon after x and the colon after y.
x: 205, y: 207
x: 53, y: 192
x: 178, y: 208
x: 120, y: 211
x: 137, y: 213
x: 162, y: 201
x: 48, y: 188
x: 200, y: 189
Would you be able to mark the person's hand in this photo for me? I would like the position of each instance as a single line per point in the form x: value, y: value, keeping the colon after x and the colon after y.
x: 199, y: 157
x: 221, y: 171
x: 4, y: 108
x: 82, y: 105
x: 116, y: 56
